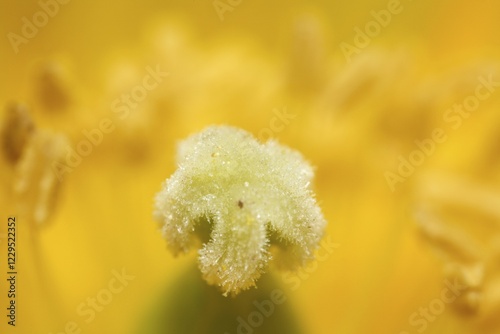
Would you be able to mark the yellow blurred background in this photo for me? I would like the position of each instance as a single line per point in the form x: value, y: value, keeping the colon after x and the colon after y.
x: 364, y: 86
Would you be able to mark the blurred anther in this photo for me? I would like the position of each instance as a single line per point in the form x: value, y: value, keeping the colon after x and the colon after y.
x: 31, y: 153
x: 16, y: 130
x: 51, y: 90
x: 461, y: 222
x: 471, y: 279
